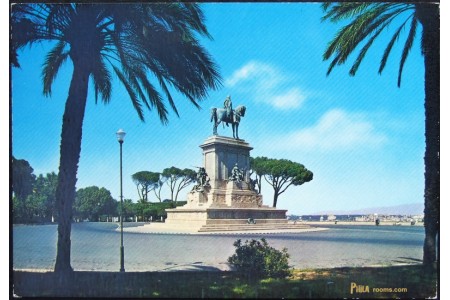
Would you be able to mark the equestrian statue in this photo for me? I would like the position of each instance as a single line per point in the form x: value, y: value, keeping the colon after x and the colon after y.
x: 228, y: 115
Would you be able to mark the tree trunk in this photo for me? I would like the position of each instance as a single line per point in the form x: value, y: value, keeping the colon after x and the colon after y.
x: 176, y: 196
x: 275, y: 198
x: 172, y: 189
x: 428, y: 15
x: 259, y: 183
x: 179, y: 188
x: 69, y: 157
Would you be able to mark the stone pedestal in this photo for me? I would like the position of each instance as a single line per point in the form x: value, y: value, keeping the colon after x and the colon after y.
x: 223, y: 200
x: 220, y: 154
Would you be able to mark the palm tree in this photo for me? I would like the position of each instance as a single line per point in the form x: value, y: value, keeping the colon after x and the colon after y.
x: 133, y: 41
x: 368, y: 21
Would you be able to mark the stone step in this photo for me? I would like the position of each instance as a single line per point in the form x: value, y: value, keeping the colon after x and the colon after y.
x: 250, y: 227
x: 244, y: 221
x: 256, y: 224
x: 265, y: 226
x: 246, y: 229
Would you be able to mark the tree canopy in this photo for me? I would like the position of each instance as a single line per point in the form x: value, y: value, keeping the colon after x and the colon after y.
x: 256, y: 167
x: 145, y: 182
x: 128, y: 209
x: 177, y: 179
x: 45, y: 187
x: 280, y: 174
x: 159, y: 186
x: 22, y: 178
x: 91, y: 202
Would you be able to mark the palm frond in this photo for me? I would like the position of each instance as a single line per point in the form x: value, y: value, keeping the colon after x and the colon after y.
x: 28, y: 26
x: 332, y: 64
x: 134, y: 99
x: 406, y: 49
x: 173, y: 61
x: 59, y: 17
x: 53, y: 61
x: 333, y: 45
x: 154, y: 98
x: 102, y: 80
x: 163, y: 85
x: 363, y: 52
x: 208, y: 69
x: 326, y: 5
x: 358, y: 30
x: 380, y: 25
x: 391, y: 43
x: 196, y: 19
x: 134, y: 41
x: 130, y: 66
x: 343, y: 10
x: 130, y: 73
x: 128, y: 54
x: 23, y: 32
x: 369, y: 21
x: 186, y: 65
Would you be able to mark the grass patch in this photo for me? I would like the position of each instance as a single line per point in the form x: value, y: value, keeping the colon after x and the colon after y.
x: 379, y: 282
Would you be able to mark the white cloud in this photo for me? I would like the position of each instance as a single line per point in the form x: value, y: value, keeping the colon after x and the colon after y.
x: 241, y: 74
x: 259, y: 74
x: 291, y: 99
x: 269, y: 83
x: 335, y: 130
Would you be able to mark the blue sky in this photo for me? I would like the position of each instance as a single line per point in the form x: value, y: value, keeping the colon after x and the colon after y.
x: 362, y: 136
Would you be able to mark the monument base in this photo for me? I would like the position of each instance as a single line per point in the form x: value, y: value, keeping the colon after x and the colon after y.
x: 208, y: 216
x: 225, y: 201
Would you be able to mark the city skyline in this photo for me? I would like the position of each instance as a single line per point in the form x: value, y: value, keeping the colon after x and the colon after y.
x: 362, y: 136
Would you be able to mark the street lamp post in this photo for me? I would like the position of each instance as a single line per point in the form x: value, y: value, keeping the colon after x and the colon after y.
x: 120, y: 136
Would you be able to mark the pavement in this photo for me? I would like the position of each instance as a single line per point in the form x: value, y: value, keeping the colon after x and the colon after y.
x: 157, y: 247
x: 360, y: 223
x: 163, y: 228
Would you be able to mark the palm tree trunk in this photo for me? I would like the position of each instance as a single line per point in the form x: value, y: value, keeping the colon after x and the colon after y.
x: 429, y: 17
x: 69, y: 157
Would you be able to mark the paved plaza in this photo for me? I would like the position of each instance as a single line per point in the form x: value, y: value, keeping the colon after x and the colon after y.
x: 95, y: 247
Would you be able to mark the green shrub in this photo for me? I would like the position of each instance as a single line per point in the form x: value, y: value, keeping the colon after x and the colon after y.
x: 255, y: 259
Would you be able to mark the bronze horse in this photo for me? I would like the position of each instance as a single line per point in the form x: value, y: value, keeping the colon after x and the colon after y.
x: 220, y: 115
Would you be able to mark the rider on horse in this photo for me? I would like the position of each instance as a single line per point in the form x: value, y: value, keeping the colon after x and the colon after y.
x: 228, y: 105
x: 227, y: 115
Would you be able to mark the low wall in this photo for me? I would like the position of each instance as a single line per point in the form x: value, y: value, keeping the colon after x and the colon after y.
x: 199, y: 217
x: 245, y: 213
x: 191, y: 217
